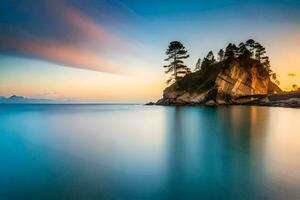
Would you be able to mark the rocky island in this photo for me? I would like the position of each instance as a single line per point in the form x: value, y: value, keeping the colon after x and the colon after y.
x: 240, y: 75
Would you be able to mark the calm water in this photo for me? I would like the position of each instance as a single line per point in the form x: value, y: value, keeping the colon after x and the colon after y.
x: 140, y: 152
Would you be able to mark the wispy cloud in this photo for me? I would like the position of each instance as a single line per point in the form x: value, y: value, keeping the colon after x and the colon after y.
x: 58, y: 53
x: 72, y: 39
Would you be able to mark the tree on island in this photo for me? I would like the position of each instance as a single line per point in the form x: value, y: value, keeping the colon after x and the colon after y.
x: 198, y: 65
x: 250, y: 44
x: 176, y: 52
x: 208, y: 61
x: 211, y: 57
x: 248, y: 55
x: 243, y: 52
x: 259, y: 51
x: 221, y: 55
x: 230, y: 52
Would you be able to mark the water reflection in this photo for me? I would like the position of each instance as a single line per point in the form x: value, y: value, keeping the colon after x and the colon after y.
x: 138, y: 152
x: 222, y: 148
x: 281, y: 153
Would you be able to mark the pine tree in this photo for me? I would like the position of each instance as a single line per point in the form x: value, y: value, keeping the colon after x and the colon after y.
x: 266, y: 64
x: 176, y: 52
x: 230, y: 52
x: 250, y: 44
x: 198, y: 65
x: 210, y: 56
x: 235, y: 50
x: 208, y: 61
x: 243, y: 52
x: 221, y: 55
x: 259, y: 51
x: 241, y: 49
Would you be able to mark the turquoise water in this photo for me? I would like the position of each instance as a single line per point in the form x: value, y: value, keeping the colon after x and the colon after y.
x: 140, y: 152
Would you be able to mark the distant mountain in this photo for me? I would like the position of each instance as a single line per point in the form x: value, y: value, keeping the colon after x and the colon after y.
x: 16, y: 98
x: 20, y: 99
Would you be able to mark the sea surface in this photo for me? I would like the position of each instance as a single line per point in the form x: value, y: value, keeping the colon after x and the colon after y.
x: 136, y: 152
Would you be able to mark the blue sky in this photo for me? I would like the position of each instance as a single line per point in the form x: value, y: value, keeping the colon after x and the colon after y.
x: 101, y: 40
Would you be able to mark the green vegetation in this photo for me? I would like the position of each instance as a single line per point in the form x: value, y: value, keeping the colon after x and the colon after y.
x: 201, y: 80
x: 247, y: 54
x: 198, y: 65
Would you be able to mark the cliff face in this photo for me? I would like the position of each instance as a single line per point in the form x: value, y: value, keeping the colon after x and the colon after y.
x: 227, y: 85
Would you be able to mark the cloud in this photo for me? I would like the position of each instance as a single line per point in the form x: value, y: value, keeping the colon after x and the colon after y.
x: 72, y: 38
x: 60, y: 54
x: 87, y: 28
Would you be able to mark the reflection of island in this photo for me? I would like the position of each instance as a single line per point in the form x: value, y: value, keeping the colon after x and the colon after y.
x: 222, y: 148
x: 20, y: 99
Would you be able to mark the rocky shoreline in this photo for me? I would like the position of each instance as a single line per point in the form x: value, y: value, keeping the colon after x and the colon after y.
x: 233, y: 83
x: 288, y: 100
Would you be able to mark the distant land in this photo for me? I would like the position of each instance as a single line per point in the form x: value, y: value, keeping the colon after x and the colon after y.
x: 14, y: 99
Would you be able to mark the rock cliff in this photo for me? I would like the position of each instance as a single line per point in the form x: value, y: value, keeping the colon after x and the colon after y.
x: 226, y: 83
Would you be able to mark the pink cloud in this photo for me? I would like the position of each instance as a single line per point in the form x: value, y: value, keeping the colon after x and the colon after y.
x: 89, y: 29
x: 82, y: 52
x: 62, y: 54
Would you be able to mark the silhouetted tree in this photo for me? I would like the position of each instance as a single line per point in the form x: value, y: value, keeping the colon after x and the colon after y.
x: 250, y: 44
x: 221, y: 55
x: 210, y: 56
x: 235, y: 50
x: 208, y: 61
x: 176, y: 52
x: 230, y: 52
x: 248, y: 54
x: 243, y: 52
x: 266, y: 64
x: 259, y: 51
x: 198, y: 65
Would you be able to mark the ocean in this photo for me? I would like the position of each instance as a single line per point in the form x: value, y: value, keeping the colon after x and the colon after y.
x: 137, y: 152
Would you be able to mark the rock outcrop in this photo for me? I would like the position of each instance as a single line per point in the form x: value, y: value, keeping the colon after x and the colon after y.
x: 226, y: 83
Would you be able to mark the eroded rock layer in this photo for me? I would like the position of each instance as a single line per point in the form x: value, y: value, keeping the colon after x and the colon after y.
x: 227, y: 86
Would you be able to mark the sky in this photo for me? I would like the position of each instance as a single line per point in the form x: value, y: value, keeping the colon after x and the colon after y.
x: 114, y: 50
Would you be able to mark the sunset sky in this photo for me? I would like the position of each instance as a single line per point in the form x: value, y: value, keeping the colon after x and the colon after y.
x: 113, y: 50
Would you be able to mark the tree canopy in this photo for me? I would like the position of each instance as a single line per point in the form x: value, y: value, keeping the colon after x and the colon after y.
x: 248, y: 54
x: 221, y: 55
x: 176, y: 53
x: 198, y: 65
